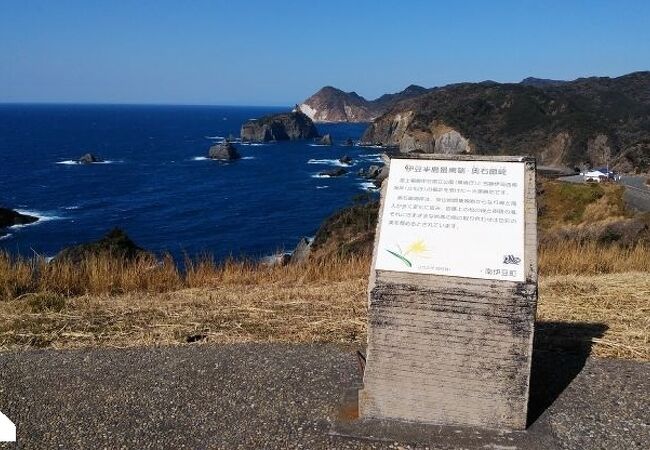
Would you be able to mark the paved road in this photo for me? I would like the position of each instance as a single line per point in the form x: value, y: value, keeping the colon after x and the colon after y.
x: 285, y: 396
x: 637, y: 192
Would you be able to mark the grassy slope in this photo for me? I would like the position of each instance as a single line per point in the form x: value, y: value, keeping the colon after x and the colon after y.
x: 107, y: 301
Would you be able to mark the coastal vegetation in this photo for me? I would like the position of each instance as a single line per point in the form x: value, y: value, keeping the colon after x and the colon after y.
x: 108, y: 295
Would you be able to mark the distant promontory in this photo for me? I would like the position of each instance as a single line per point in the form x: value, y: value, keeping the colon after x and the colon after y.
x: 334, y: 105
x: 279, y: 127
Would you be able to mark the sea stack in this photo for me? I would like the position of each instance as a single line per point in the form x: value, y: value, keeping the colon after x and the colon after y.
x: 279, y: 127
x: 345, y: 159
x: 224, y: 151
x: 326, y: 140
x: 89, y: 158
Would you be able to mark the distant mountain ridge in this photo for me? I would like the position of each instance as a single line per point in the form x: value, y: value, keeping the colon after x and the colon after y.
x: 330, y: 104
x: 592, y: 121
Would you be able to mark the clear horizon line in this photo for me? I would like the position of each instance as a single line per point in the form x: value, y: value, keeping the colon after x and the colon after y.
x: 74, y: 103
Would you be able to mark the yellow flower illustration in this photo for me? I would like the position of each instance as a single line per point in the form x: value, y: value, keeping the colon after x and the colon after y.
x: 417, y: 248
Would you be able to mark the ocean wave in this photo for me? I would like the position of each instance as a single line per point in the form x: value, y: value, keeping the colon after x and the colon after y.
x: 200, y: 158
x: 370, y: 146
x: 42, y: 217
x: 329, y: 162
x: 319, y: 145
x: 253, y: 144
x: 213, y: 138
x: 318, y: 175
x: 70, y: 207
x: 368, y: 186
x: 5, y: 236
x: 369, y: 155
x: 74, y: 162
x: 248, y: 157
x: 322, y: 187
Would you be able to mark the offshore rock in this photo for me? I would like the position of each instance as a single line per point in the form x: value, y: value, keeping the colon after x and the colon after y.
x: 326, y: 140
x: 345, y: 159
x: 9, y: 218
x: 279, y: 127
x: 333, y: 172
x: 89, y: 158
x: 225, y: 151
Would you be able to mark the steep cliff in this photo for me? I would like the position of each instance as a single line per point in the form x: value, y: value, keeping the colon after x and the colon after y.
x: 590, y: 121
x: 279, y: 127
x: 333, y: 105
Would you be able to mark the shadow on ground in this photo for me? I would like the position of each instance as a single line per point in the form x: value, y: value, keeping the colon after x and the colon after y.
x: 559, y: 354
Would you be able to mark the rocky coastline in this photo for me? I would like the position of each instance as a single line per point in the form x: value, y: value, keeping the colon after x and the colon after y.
x: 10, y: 218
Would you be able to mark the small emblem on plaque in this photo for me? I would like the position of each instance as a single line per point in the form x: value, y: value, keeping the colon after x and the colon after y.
x: 511, y: 259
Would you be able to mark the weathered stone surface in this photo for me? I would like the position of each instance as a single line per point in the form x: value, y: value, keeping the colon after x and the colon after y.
x: 279, y: 127
x: 451, y: 143
x: 224, y: 151
x: 452, y: 350
x: 302, y: 251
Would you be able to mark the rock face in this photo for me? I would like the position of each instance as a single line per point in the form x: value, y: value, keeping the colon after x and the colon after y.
x: 9, y: 218
x: 279, y: 127
x: 301, y: 252
x: 326, y: 140
x: 371, y: 172
x: 89, y: 158
x: 224, y: 151
x: 333, y: 105
x: 564, y: 124
x: 115, y: 244
x: 345, y: 159
x: 339, y: 171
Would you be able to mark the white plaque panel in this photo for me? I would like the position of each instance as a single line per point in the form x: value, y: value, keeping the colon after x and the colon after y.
x: 454, y: 218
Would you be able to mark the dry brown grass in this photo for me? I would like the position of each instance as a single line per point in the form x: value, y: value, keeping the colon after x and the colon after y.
x: 591, y: 258
x: 296, y: 310
x: 620, y: 302
x: 110, y: 303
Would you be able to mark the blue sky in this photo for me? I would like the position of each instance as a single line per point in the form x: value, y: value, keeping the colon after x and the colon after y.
x: 279, y: 52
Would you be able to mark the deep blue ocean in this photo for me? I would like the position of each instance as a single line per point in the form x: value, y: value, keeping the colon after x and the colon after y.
x: 156, y: 183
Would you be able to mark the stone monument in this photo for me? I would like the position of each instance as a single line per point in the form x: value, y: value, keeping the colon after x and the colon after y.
x: 453, y: 292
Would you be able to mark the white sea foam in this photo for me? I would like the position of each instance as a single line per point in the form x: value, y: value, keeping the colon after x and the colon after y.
x: 74, y: 162
x: 70, y: 207
x: 200, y: 158
x: 368, y: 186
x: 318, y: 175
x: 319, y: 145
x: 253, y: 144
x: 369, y: 146
x: 369, y: 155
x: 322, y: 187
x: 328, y: 162
x: 248, y: 157
x: 214, y: 137
x: 6, y: 236
x: 42, y: 217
